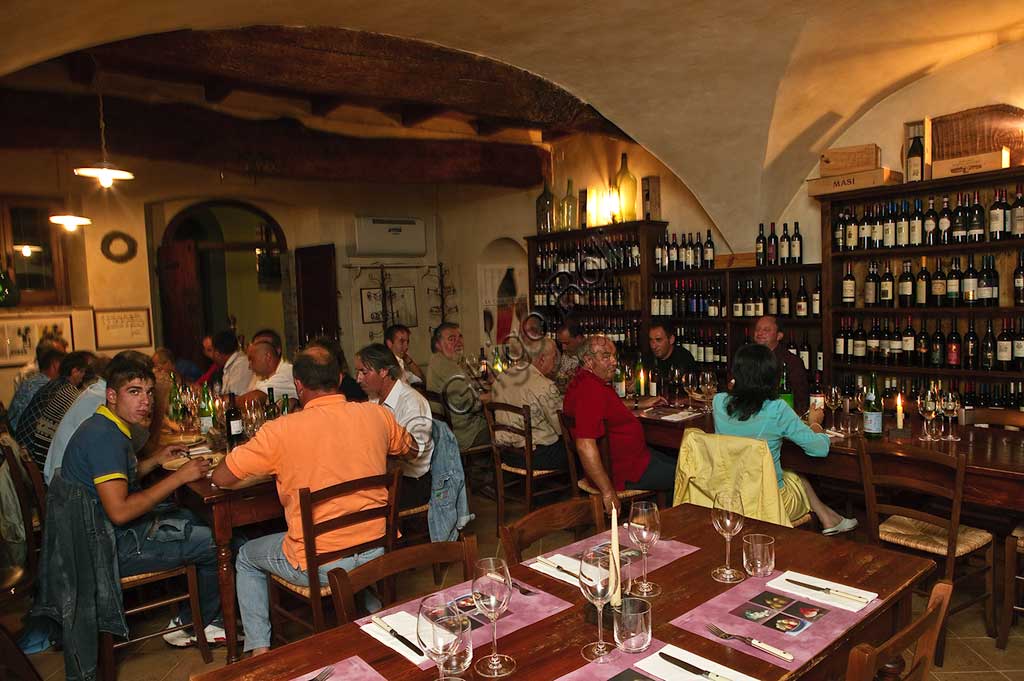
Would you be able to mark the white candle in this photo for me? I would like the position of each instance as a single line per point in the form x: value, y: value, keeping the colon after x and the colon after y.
x: 642, y: 384
x: 613, y: 566
x: 899, y: 411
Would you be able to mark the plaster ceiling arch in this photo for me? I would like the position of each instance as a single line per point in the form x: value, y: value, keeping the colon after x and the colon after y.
x: 735, y: 98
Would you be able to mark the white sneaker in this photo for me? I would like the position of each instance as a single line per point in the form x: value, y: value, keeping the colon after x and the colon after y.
x: 181, y: 638
x: 214, y: 635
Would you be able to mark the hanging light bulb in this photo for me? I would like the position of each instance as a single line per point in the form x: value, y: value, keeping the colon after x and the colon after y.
x: 105, y: 172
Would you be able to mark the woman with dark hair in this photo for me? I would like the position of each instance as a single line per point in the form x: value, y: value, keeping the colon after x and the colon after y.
x: 752, y: 408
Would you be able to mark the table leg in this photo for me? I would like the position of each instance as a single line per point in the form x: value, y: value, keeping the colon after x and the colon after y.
x: 226, y: 577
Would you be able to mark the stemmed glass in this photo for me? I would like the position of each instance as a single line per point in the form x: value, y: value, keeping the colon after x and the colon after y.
x: 834, y: 400
x: 439, y: 630
x: 492, y: 590
x: 856, y: 407
x: 727, y: 517
x: 598, y: 580
x: 927, y: 406
x: 644, y: 530
x: 708, y: 388
x: 949, y: 403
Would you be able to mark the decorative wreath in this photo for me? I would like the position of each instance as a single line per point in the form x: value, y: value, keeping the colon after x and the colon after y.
x: 131, y: 246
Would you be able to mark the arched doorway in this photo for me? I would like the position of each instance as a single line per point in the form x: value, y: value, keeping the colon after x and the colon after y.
x: 219, y: 265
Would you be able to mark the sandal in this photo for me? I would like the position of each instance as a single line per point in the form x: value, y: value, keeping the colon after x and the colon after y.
x: 844, y: 525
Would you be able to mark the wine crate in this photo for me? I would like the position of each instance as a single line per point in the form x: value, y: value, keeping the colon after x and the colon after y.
x: 846, y: 160
x: 844, y: 183
x: 968, y: 165
x: 974, y: 131
x: 650, y: 187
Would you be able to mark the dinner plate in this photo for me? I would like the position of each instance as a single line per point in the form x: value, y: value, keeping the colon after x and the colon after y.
x: 174, y: 464
x: 184, y: 439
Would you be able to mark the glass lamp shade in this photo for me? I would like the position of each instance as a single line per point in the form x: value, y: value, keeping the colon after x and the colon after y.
x: 70, y: 222
x: 105, y: 173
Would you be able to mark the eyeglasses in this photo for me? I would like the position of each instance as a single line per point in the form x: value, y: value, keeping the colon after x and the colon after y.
x: 604, y: 355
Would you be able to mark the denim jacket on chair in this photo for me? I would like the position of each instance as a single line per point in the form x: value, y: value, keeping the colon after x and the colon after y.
x: 449, y: 505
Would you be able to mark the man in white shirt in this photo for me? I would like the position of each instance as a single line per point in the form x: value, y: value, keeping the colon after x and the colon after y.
x: 396, y: 337
x: 269, y: 370
x: 379, y: 374
x: 236, y: 375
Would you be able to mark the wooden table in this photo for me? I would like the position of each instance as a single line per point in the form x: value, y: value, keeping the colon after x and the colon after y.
x: 551, y: 648
x: 225, y: 510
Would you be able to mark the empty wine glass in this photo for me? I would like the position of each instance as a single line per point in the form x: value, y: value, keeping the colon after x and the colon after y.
x: 708, y: 388
x: 599, y: 578
x: 644, y: 530
x: 834, y: 400
x: 927, y: 406
x: 492, y: 590
x: 440, y: 630
x: 950, y: 406
x: 727, y: 517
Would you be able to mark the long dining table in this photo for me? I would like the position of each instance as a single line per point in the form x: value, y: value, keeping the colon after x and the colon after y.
x: 550, y: 648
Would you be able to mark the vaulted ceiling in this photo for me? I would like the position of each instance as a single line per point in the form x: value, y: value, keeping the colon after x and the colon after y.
x: 736, y: 98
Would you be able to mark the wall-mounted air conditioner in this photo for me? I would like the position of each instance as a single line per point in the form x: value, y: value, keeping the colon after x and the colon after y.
x: 390, y: 237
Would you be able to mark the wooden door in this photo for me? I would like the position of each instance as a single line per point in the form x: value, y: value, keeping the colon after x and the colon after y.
x: 316, y: 290
x: 180, y: 299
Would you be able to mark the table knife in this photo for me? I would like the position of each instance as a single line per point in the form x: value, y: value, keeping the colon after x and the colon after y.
x: 693, y: 669
x: 832, y: 592
x: 402, y: 639
x: 553, y: 564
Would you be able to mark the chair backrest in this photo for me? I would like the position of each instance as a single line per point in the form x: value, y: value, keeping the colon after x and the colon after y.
x: 896, y: 467
x: 525, y: 430
x: 568, y: 423
x: 35, y: 476
x: 22, y: 491
x: 345, y: 584
x: 1011, y: 419
x: 710, y: 463
x: 438, y: 407
x: 311, y: 530
x: 572, y: 514
x: 923, y: 633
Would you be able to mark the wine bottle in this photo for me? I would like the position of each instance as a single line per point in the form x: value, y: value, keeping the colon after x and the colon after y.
x: 1018, y: 348
x: 773, y: 247
x: 970, y: 347
x: 885, y: 355
x: 976, y: 225
x: 931, y: 223
x: 860, y: 343
x: 760, y: 299
x: 1018, y: 280
x: 938, y: 354
x: 840, y: 343
x: 903, y: 226
x: 805, y: 353
x: 760, y: 246
x: 969, y: 284
x: 801, y: 299
x: 737, y: 301
x: 917, y: 224
x: 785, y: 391
x: 877, y: 236
x: 786, y: 300
x: 709, y: 252
x: 233, y: 420
x: 1017, y: 218
x: 1004, y: 346
x: 270, y: 408
x: 567, y: 207
x: 796, y: 246
x: 815, y: 297
x: 923, y: 286
x: 849, y: 297
x: 626, y: 184
x: 938, y: 297
x: 987, y: 350
x: 773, y: 298
x: 889, y: 227
x: 945, y: 221
x: 915, y: 160
x: 906, y: 286
x: 205, y: 410
x: 996, y: 215
x: 923, y: 345
x: 784, y: 243
x: 871, y: 282
x: 874, y: 343
x: 852, y: 230
x: 872, y: 410
x: 954, y: 283
x: 545, y: 210
x: 867, y: 225
x: 483, y: 366
x: 961, y: 219
x: 909, y: 343
x: 748, y: 300
x: 887, y: 288
x: 953, y: 347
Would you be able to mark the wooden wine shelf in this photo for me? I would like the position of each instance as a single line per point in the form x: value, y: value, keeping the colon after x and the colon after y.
x: 917, y: 370
x: 930, y: 251
x: 691, y: 274
x: 948, y: 185
x: 783, y: 321
x: 803, y: 268
x: 617, y: 229
x: 919, y: 311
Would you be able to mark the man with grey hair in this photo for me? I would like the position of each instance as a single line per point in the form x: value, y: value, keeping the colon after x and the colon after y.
x: 269, y: 370
x: 380, y: 375
x: 448, y: 376
x: 530, y: 385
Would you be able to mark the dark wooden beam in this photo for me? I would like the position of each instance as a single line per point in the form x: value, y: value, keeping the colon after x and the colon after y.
x: 324, y: 106
x: 216, y: 92
x: 409, y: 114
x: 81, y: 68
x: 279, y: 148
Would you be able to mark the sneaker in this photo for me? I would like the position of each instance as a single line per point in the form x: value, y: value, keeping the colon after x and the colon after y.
x: 214, y: 635
x: 182, y: 638
x: 844, y: 525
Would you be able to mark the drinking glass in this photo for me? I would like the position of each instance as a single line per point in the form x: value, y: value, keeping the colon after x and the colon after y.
x: 644, y: 530
x: 630, y: 379
x: 834, y: 400
x: 758, y: 554
x: 598, y: 580
x: 492, y: 590
x: 708, y: 388
x: 857, y: 410
x: 631, y: 624
x: 460, y: 661
x: 439, y: 629
x: 927, y: 406
x: 950, y: 405
x: 727, y: 517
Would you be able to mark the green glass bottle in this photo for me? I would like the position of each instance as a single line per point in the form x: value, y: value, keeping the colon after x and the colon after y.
x: 286, y: 405
x: 567, y: 209
x: 626, y: 184
x: 785, y: 390
x: 174, y: 406
x: 205, y: 410
x: 545, y: 210
x: 873, y: 410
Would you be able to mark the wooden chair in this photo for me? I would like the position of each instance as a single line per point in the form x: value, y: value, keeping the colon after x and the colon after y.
x: 345, y: 584
x: 14, y: 664
x: 582, y: 483
x: 911, y: 469
x: 439, y: 410
x: 923, y: 633
x: 34, y: 480
x: 18, y: 580
x: 1012, y: 579
x: 573, y: 514
x: 313, y: 593
x: 536, y: 482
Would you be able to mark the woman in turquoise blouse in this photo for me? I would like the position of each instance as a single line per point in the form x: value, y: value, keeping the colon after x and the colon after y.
x: 752, y: 408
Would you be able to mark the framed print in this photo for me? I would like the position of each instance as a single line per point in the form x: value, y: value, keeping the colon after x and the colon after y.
x: 123, y: 327
x: 369, y: 299
x: 19, y: 336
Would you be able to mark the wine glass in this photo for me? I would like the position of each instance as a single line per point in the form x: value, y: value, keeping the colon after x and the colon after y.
x: 644, y: 530
x: 727, y: 517
x: 950, y: 406
x: 834, y: 400
x: 627, y: 375
x: 439, y: 629
x: 492, y: 590
x: 857, y: 407
x: 708, y: 388
x: 599, y: 578
x: 927, y: 406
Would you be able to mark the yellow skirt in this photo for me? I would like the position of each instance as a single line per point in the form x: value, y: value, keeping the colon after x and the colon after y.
x: 794, y: 498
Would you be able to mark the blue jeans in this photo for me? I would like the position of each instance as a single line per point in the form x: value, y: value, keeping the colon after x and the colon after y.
x: 165, y: 550
x: 266, y: 554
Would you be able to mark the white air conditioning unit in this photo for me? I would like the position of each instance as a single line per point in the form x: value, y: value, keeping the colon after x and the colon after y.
x: 394, y: 237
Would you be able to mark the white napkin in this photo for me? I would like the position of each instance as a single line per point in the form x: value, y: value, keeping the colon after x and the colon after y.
x: 835, y: 434
x: 570, y: 564
x: 782, y: 584
x: 196, y: 450
x: 405, y: 624
x: 681, y: 416
x: 663, y: 669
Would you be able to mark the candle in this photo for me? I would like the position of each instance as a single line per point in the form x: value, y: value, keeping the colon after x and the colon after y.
x: 643, y: 390
x: 899, y: 411
x: 613, y: 567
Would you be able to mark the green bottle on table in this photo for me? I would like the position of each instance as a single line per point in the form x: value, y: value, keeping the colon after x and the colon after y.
x: 205, y: 411
x: 785, y: 391
x: 873, y: 410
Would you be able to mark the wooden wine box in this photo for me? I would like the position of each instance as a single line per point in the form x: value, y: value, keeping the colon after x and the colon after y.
x: 846, y: 160
x: 968, y: 165
x: 844, y: 183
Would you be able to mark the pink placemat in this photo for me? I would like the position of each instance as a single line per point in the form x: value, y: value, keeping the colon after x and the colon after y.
x: 620, y: 665
x: 800, y: 627
x: 664, y: 552
x: 522, y: 612
x: 350, y: 669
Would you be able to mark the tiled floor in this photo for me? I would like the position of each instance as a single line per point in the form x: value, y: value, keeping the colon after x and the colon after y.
x: 970, y: 655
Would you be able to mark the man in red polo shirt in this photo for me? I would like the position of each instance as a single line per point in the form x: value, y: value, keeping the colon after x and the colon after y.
x: 598, y: 411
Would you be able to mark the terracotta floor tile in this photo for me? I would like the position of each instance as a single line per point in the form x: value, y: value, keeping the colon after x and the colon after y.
x: 968, y: 676
x: 1010, y: 658
x: 961, y: 658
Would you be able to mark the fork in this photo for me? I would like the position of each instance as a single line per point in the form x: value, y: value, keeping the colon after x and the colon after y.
x: 753, y: 642
x: 522, y: 589
x: 323, y: 675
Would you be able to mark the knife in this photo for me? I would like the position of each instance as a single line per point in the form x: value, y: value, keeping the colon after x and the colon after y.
x: 553, y: 564
x: 406, y: 642
x: 832, y: 592
x: 694, y: 669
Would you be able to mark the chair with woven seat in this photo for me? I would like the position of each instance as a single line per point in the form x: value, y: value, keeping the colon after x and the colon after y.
x: 1013, y: 577
x: 313, y: 593
x: 582, y: 512
x: 903, y: 470
x: 865, y: 660
x: 536, y: 482
x: 346, y: 583
x: 581, y: 482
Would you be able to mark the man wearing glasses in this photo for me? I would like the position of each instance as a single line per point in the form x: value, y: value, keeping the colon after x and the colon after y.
x: 598, y: 412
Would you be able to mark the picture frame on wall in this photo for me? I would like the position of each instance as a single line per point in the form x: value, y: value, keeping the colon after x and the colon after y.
x: 369, y: 301
x: 123, y: 327
x: 19, y: 336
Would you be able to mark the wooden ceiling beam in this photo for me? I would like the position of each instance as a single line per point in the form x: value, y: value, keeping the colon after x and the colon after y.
x: 409, y: 114
x: 216, y: 92
x: 81, y: 68
x: 324, y: 106
x: 278, y: 148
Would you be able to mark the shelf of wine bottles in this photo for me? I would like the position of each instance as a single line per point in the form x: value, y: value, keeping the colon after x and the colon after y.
x: 985, y: 393
x: 775, y: 249
x: 674, y: 255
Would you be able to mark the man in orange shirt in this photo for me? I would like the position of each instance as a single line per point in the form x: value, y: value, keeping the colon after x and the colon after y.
x: 329, y: 442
